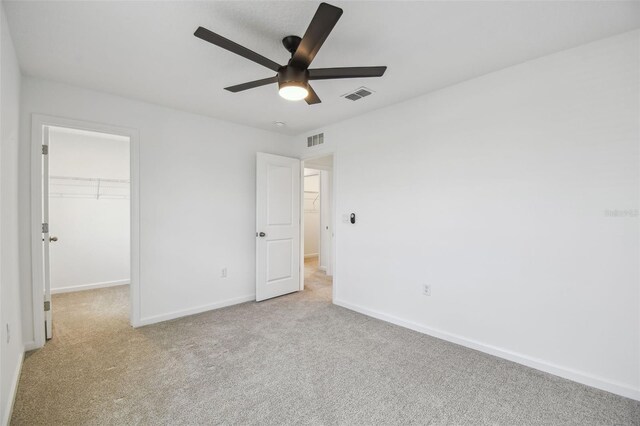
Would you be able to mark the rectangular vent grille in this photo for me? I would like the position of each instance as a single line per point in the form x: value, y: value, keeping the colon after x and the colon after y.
x: 359, y: 93
x: 315, y: 140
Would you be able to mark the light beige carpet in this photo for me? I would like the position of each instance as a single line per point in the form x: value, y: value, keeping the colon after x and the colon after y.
x: 296, y: 359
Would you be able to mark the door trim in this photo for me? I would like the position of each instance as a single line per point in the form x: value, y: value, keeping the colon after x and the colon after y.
x: 334, y: 214
x: 38, y: 121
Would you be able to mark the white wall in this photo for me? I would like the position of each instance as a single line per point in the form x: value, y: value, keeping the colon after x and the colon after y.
x: 311, y: 212
x: 501, y: 193
x: 11, y: 345
x: 93, y: 231
x: 197, y: 197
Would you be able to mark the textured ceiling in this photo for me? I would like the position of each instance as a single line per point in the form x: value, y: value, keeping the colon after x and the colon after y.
x: 146, y: 50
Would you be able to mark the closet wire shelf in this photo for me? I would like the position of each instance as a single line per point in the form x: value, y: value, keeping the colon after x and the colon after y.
x: 313, y: 197
x: 88, y: 187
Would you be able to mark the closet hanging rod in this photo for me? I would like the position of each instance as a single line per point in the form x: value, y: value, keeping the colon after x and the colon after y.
x: 90, y: 179
x: 92, y: 196
x: 86, y: 185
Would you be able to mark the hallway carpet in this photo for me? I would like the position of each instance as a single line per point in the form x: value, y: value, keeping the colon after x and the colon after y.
x: 296, y: 359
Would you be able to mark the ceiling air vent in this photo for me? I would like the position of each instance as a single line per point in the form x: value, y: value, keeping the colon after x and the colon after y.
x: 359, y: 93
x: 315, y: 140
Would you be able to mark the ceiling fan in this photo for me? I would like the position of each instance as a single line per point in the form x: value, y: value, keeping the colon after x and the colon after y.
x: 293, y: 78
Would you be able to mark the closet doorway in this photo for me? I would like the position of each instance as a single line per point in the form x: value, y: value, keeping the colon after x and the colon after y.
x: 312, y: 228
x: 89, y: 226
x: 85, y: 222
x: 317, y: 235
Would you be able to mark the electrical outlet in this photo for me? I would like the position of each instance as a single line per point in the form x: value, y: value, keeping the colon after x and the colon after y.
x: 426, y: 290
x: 223, y: 273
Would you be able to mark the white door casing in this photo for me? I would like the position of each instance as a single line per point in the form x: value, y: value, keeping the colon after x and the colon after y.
x: 45, y: 236
x: 39, y: 123
x: 277, y: 225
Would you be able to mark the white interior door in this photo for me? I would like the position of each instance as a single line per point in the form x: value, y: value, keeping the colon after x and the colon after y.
x: 277, y: 226
x: 45, y: 236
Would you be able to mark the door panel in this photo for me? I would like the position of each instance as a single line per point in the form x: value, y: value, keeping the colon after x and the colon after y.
x: 278, y: 260
x: 279, y: 196
x: 277, y: 226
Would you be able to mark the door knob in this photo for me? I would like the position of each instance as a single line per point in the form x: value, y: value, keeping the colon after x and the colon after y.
x: 262, y: 234
x: 53, y: 239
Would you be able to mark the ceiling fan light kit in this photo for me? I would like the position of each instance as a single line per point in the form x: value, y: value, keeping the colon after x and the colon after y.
x: 293, y: 78
x: 293, y: 91
x: 293, y: 84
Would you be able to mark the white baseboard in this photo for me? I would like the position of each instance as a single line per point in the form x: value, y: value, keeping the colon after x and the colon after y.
x: 92, y: 286
x: 30, y: 346
x: 310, y: 255
x: 538, y: 364
x: 8, y: 411
x: 197, y: 310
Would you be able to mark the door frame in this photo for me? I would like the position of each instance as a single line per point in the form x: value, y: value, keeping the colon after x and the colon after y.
x: 319, y: 175
x: 334, y: 215
x: 38, y: 122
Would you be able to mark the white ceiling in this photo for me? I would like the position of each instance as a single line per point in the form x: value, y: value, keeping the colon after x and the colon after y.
x: 146, y: 49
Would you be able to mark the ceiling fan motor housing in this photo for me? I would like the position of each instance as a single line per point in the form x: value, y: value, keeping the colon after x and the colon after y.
x: 290, y: 76
x: 291, y: 43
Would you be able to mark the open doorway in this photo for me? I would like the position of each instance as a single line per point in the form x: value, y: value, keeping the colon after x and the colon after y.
x: 80, y: 178
x: 86, y: 246
x: 317, y: 235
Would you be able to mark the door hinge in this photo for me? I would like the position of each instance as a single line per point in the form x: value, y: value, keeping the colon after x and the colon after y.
x: 47, y: 305
x: 45, y: 228
x: 45, y: 149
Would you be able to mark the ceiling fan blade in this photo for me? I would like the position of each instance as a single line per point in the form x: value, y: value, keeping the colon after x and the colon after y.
x: 252, y: 84
x: 347, y: 72
x: 312, y: 97
x: 321, y: 25
x: 234, y: 47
